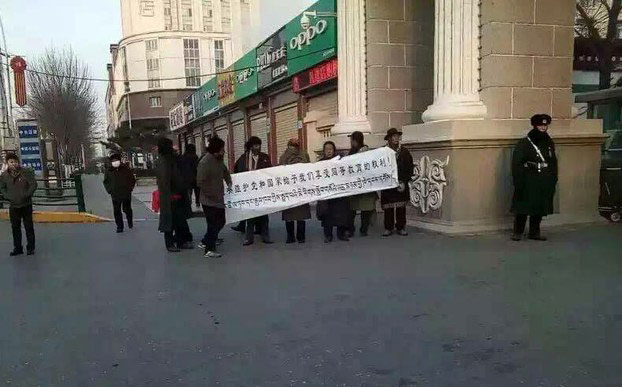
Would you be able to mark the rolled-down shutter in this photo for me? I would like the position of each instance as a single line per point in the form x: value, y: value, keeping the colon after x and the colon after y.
x: 223, y: 133
x: 326, y: 103
x: 238, y: 139
x: 286, y: 119
x: 259, y: 128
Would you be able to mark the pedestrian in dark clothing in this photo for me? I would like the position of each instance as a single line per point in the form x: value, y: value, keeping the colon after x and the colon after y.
x: 365, y: 203
x: 190, y: 162
x: 252, y: 160
x: 18, y: 185
x: 173, y: 191
x: 295, y: 217
x: 394, y: 200
x: 119, y: 182
x: 211, y: 175
x: 334, y: 212
x: 240, y: 166
x: 534, y: 171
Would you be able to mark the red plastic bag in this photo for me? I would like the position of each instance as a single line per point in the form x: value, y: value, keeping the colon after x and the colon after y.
x: 155, y: 201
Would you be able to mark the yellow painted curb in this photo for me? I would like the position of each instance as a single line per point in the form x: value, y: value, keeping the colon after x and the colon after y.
x: 60, y: 217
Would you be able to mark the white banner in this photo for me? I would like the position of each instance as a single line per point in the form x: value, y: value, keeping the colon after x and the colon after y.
x: 271, y: 190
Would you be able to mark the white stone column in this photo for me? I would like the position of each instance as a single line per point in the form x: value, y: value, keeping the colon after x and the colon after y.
x: 352, y: 81
x: 456, y: 62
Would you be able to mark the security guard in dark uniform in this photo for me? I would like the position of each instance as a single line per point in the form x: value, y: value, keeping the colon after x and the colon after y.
x: 534, y: 171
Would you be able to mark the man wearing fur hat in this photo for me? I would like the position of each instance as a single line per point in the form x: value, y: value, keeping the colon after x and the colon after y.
x: 534, y: 171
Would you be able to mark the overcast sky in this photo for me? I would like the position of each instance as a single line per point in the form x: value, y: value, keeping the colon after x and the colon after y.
x: 90, y: 26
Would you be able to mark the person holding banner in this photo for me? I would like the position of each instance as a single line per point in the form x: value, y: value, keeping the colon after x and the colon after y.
x: 394, y: 200
x: 211, y: 175
x: 252, y: 160
x: 295, y: 217
x: 334, y: 212
x: 365, y: 203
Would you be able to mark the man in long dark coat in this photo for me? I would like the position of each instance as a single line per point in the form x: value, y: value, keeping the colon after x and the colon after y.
x: 119, y: 182
x: 394, y: 200
x: 173, y: 191
x: 252, y: 160
x: 534, y: 171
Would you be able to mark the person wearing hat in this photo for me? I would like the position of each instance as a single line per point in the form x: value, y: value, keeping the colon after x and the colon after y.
x: 18, y: 185
x: 252, y: 160
x: 534, y: 172
x: 119, y: 182
x: 363, y: 203
x: 394, y: 200
x: 295, y: 217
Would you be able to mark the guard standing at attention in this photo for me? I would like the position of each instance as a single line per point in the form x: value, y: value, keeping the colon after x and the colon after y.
x: 534, y: 171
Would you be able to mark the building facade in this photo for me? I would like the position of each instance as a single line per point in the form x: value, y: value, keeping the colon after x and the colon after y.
x: 460, y: 78
x: 167, y: 50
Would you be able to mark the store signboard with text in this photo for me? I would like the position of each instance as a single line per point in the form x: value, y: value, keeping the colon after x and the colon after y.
x: 176, y: 116
x: 226, y: 86
x: 312, y: 36
x: 319, y: 74
x: 206, y: 99
x: 272, y: 59
x: 245, y: 76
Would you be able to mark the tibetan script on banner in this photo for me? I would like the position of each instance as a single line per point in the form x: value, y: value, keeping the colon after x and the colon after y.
x: 275, y: 189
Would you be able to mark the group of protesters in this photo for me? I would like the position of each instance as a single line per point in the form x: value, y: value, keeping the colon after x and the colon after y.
x: 534, y: 171
x: 178, y: 176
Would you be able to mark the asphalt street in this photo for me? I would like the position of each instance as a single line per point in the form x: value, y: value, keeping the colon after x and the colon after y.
x: 97, y: 308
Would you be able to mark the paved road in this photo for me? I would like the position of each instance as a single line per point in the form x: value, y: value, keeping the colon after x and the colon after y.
x: 97, y: 308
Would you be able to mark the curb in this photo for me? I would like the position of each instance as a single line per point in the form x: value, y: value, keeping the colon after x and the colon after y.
x: 61, y: 217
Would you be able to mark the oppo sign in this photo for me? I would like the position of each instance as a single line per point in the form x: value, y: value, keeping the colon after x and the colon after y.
x: 306, y: 37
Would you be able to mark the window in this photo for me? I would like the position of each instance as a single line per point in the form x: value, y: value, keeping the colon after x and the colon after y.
x: 153, y: 63
x: 147, y: 8
x: 225, y: 8
x: 151, y: 45
x: 171, y: 21
x: 155, y: 102
x: 208, y: 16
x: 219, y: 55
x: 186, y: 14
x: 192, y: 62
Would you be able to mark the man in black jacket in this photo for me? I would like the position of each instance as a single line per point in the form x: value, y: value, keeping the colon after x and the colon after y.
x: 119, y: 182
x: 394, y: 200
x: 254, y: 159
x: 17, y: 185
x: 190, y: 162
x: 534, y: 171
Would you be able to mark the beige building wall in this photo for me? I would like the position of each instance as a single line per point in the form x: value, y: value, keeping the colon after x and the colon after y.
x: 400, y: 38
x: 526, y: 57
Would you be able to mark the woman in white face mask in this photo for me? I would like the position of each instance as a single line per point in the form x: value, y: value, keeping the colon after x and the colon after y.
x: 119, y: 182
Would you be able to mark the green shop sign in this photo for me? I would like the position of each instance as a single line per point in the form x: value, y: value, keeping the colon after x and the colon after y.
x: 245, y: 75
x: 312, y: 36
x: 206, y: 99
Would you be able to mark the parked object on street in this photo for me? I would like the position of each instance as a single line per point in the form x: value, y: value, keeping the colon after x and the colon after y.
x: 173, y: 193
x: 534, y: 171
x: 296, y: 217
x: 394, y: 200
x: 18, y: 185
x: 610, y: 200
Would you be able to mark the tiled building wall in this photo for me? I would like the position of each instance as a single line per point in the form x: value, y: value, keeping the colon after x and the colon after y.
x: 527, y: 50
x: 400, y: 60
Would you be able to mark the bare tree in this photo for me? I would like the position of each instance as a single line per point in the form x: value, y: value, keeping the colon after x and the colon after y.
x: 63, y: 100
x: 598, y: 23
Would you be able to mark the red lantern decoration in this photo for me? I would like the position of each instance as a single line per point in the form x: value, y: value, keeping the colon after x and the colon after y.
x: 18, y: 64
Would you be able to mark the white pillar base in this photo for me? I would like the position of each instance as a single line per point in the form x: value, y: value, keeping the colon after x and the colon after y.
x: 347, y: 125
x: 455, y: 110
